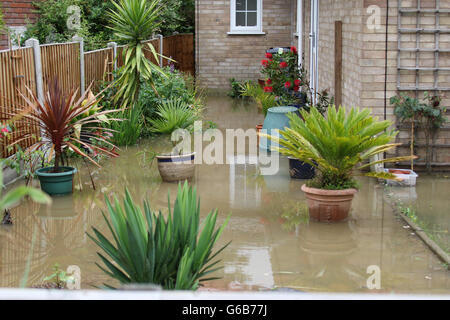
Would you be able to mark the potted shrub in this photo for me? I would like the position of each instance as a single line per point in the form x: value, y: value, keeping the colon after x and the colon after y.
x: 65, y: 122
x: 337, y: 146
x: 284, y: 78
x: 172, y: 115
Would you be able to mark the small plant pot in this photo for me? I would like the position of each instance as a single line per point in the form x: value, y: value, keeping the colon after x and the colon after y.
x: 328, y: 205
x: 407, y: 177
x: 56, y: 184
x: 258, y: 130
x: 176, y: 168
x: 301, y: 170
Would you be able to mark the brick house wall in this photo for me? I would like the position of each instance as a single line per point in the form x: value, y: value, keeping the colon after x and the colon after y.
x: 221, y: 56
x: 364, y: 59
x: 17, y: 13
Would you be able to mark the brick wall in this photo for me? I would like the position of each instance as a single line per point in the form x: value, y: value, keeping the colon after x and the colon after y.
x: 221, y: 56
x: 350, y: 13
x: 16, y: 13
x: 373, y: 62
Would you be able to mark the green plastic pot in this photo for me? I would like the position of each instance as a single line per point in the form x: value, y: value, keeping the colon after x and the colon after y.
x: 56, y: 184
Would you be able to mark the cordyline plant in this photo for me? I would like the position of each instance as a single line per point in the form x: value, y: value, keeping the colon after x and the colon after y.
x: 174, y: 252
x: 65, y: 122
x: 134, y: 21
x: 338, y: 144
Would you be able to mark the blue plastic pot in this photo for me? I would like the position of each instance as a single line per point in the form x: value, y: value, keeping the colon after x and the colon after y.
x: 56, y: 184
x: 301, y: 170
x: 276, y: 120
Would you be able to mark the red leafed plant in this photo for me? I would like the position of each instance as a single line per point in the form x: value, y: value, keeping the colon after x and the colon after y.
x: 66, y: 121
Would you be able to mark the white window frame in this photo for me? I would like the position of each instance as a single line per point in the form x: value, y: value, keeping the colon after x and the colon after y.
x: 246, y: 30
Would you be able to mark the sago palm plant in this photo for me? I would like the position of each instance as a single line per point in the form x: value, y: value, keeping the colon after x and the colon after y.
x: 338, y: 144
x: 174, y: 252
x: 134, y: 21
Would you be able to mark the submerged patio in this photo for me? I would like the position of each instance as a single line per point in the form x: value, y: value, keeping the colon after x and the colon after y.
x: 274, y: 246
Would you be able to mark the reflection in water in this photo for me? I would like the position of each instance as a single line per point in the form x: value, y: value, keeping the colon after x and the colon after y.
x: 273, y: 243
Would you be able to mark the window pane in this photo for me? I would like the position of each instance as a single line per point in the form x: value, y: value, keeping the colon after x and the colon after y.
x: 240, y: 19
x: 240, y: 5
x: 252, y: 5
x: 251, y: 19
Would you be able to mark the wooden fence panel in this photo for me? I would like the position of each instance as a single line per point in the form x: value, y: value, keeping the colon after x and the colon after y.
x: 181, y: 49
x: 17, y: 72
x: 61, y: 61
x: 98, y: 67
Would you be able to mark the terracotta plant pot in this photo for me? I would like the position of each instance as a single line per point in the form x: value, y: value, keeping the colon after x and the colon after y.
x: 176, y: 168
x: 258, y: 130
x: 328, y: 205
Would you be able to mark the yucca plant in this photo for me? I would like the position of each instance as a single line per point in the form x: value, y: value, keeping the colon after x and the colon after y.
x: 171, y: 115
x: 64, y: 122
x: 174, y: 252
x: 134, y: 21
x: 338, y: 144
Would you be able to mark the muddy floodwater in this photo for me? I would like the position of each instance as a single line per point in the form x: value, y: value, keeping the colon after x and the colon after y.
x: 273, y: 245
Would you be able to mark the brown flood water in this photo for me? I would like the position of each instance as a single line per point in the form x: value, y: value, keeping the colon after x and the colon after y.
x: 273, y: 244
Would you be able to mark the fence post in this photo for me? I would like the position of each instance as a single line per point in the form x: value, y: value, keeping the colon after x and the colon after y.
x: 113, y: 45
x: 82, y: 78
x: 34, y: 43
x: 161, y: 49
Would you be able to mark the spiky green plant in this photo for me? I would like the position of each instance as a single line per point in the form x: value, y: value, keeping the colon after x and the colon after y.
x: 172, y: 115
x: 265, y: 100
x: 17, y: 194
x: 338, y: 144
x: 134, y: 21
x: 147, y: 248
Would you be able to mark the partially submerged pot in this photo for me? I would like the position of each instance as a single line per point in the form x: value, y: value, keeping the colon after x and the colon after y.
x: 56, y: 184
x: 329, y: 205
x: 301, y: 170
x: 176, y: 168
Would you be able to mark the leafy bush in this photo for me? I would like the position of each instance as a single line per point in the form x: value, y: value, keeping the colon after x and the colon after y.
x: 429, y: 115
x: 176, y: 86
x: 128, y: 131
x: 236, y: 88
x: 172, y: 115
x: 338, y: 144
x: 2, y: 22
x: 265, y: 100
x: 148, y: 248
x: 51, y: 25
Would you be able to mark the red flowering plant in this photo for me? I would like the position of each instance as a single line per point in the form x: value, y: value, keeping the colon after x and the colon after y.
x: 284, y: 78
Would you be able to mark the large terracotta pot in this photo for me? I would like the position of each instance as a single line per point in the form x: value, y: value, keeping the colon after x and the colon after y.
x: 328, y: 205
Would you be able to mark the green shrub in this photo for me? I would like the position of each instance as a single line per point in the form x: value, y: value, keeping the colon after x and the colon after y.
x: 338, y: 145
x: 148, y: 248
x: 175, y: 86
x: 128, y: 131
x: 51, y: 26
x: 172, y: 115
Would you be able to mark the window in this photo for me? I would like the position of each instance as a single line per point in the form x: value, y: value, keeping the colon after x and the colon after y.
x: 246, y: 17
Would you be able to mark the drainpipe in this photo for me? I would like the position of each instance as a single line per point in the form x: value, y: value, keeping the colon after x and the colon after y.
x: 300, y: 31
x: 314, y: 50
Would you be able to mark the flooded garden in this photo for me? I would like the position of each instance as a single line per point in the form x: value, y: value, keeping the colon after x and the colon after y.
x: 274, y: 246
